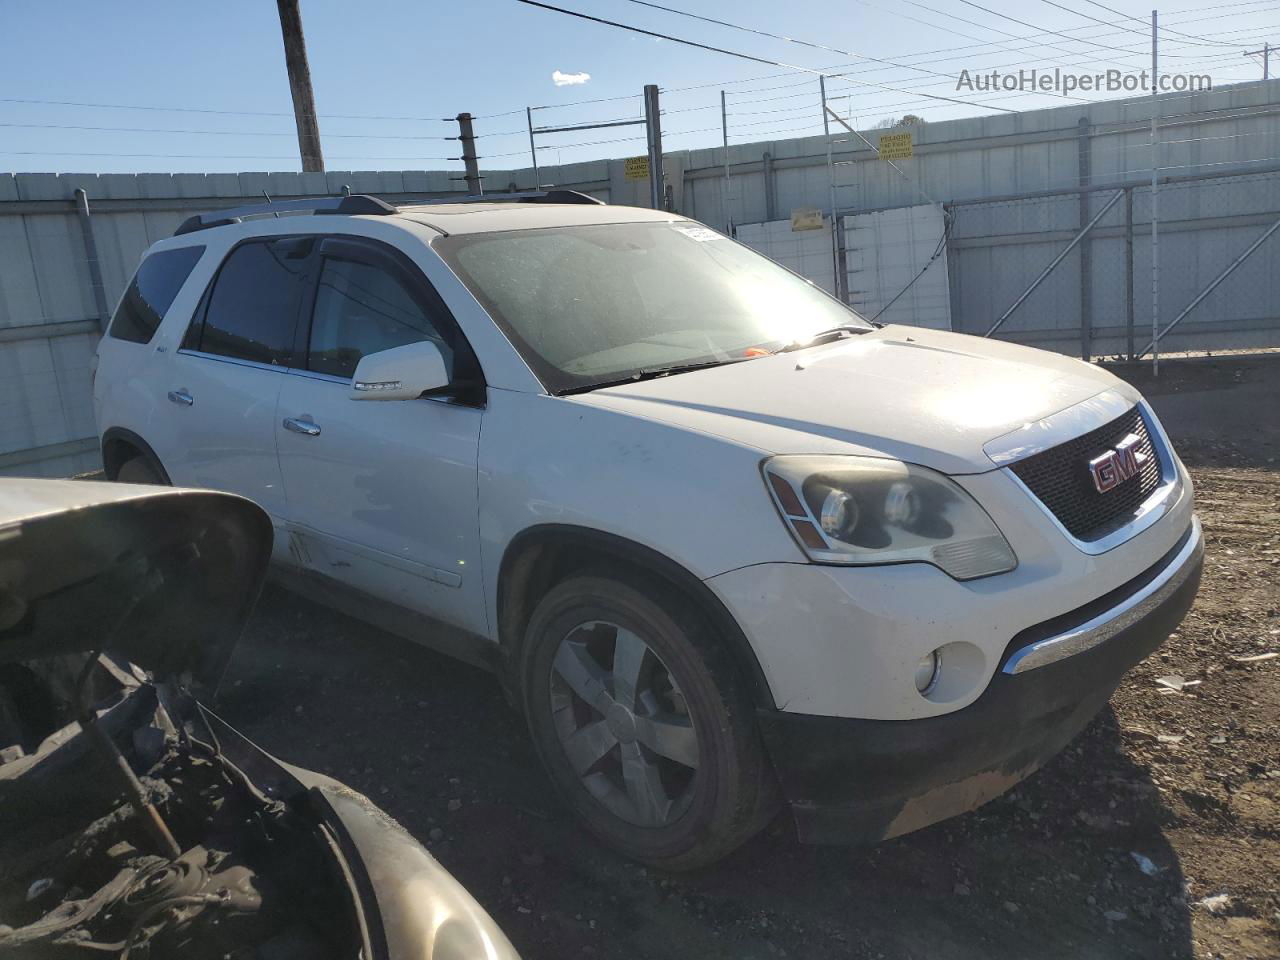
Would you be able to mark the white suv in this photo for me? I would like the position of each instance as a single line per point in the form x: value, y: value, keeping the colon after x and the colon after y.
x: 725, y: 542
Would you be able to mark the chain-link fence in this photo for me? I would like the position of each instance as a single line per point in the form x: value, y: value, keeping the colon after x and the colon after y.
x: 1071, y: 270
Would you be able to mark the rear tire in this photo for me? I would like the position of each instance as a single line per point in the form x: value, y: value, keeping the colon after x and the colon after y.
x: 639, y: 717
x: 139, y: 470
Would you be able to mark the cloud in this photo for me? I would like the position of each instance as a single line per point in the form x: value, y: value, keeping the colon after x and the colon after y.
x: 569, y: 79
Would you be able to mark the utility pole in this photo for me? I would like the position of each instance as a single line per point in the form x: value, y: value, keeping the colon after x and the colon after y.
x: 653, y: 127
x: 1265, y: 54
x: 1155, y: 197
x: 468, y: 139
x: 831, y: 187
x: 724, y: 131
x: 533, y: 149
x: 304, y: 101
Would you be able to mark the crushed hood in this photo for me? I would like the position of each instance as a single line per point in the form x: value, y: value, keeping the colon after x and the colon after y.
x: 160, y: 577
x: 923, y: 396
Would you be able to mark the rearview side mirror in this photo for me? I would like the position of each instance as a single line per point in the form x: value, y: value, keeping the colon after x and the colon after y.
x: 401, y: 373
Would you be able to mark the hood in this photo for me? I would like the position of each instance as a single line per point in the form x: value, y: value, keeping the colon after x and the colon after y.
x: 160, y: 577
x: 923, y: 396
x: 410, y: 906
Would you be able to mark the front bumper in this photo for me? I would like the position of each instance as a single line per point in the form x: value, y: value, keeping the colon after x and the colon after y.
x: 852, y: 780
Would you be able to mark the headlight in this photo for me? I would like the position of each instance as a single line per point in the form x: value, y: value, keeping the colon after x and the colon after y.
x: 864, y: 510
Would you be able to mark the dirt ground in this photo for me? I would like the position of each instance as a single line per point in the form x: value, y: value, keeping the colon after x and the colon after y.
x: 1156, y: 834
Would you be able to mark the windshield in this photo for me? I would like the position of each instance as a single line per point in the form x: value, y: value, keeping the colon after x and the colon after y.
x: 589, y: 305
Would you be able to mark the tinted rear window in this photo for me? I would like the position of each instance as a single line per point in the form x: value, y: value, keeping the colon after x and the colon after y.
x: 253, y: 307
x: 151, y: 293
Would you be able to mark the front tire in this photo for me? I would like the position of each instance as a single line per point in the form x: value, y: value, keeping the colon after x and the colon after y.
x: 139, y: 470
x: 638, y: 715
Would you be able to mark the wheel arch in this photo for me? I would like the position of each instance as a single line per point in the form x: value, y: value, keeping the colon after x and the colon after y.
x: 120, y: 445
x: 540, y: 556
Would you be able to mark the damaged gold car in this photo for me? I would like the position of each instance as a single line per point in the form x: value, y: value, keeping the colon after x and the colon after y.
x: 133, y: 821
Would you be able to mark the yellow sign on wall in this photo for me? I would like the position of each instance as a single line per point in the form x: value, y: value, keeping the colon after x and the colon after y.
x: 636, y: 168
x: 895, y: 146
x: 806, y: 218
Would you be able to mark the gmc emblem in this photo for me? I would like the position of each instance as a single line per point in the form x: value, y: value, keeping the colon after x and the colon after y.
x: 1117, y: 465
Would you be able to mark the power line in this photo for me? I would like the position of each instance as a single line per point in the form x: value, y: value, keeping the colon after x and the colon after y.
x: 236, y: 133
x: 982, y: 49
x: 204, y: 156
x: 1177, y: 33
x: 1188, y: 38
x: 1005, y: 16
x: 236, y: 113
x: 1005, y: 66
x: 1013, y: 36
x: 664, y: 36
x: 883, y: 65
x: 803, y: 43
x: 818, y: 46
x: 579, y: 103
x: 919, y: 89
x: 1078, y: 13
x: 738, y: 26
x: 1079, y: 58
x: 995, y: 44
x: 729, y: 53
x: 491, y: 116
x: 972, y: 49
x: 793, y: 111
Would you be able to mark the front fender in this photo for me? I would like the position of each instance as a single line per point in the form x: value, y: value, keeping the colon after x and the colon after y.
x: 697, y: 499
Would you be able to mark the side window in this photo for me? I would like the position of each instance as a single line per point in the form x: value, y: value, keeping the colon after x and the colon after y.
x: 253, y: 308
x: 151, y: 293
x: 361, y: 308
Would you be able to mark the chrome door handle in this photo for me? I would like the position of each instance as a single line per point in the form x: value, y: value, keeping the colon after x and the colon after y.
x: 182, y: 397
x: 305, y: 427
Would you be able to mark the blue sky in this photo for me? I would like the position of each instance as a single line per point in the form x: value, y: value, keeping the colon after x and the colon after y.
x: 416, y: 61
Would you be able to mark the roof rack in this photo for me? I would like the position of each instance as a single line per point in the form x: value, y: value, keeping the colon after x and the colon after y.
x: 355, y: 205
x: 527, y: 196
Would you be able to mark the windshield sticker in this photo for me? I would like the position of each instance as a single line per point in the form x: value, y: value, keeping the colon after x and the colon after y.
x: 701, y: 234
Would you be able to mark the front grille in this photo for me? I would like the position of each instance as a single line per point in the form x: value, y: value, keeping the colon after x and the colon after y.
x: 1059, y: 477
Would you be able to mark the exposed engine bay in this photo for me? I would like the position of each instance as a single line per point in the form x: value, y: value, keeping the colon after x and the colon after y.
x: 134, y: 823
x: 85, y: 868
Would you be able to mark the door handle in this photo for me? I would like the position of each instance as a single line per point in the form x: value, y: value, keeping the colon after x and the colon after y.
x: 181, y: 397
x: 305, y: 427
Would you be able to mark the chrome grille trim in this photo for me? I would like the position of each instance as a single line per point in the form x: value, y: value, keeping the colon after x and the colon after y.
x: 1042, y: 435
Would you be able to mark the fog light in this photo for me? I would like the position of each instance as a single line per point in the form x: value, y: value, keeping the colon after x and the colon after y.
x: 927, y: 672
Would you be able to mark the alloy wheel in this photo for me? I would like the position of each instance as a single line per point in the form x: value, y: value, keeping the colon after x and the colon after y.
x: 623, y: 723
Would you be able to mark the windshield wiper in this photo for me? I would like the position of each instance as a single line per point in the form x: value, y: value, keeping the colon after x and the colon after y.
x: 652, y: 373
x: 826, y: 336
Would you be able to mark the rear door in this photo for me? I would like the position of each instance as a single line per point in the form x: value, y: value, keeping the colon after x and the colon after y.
x: 225, y: 379
x: 381, y: 494
x: 129, y: 365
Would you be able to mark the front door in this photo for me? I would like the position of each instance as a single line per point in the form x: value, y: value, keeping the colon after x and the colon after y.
x: 381, y: 494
